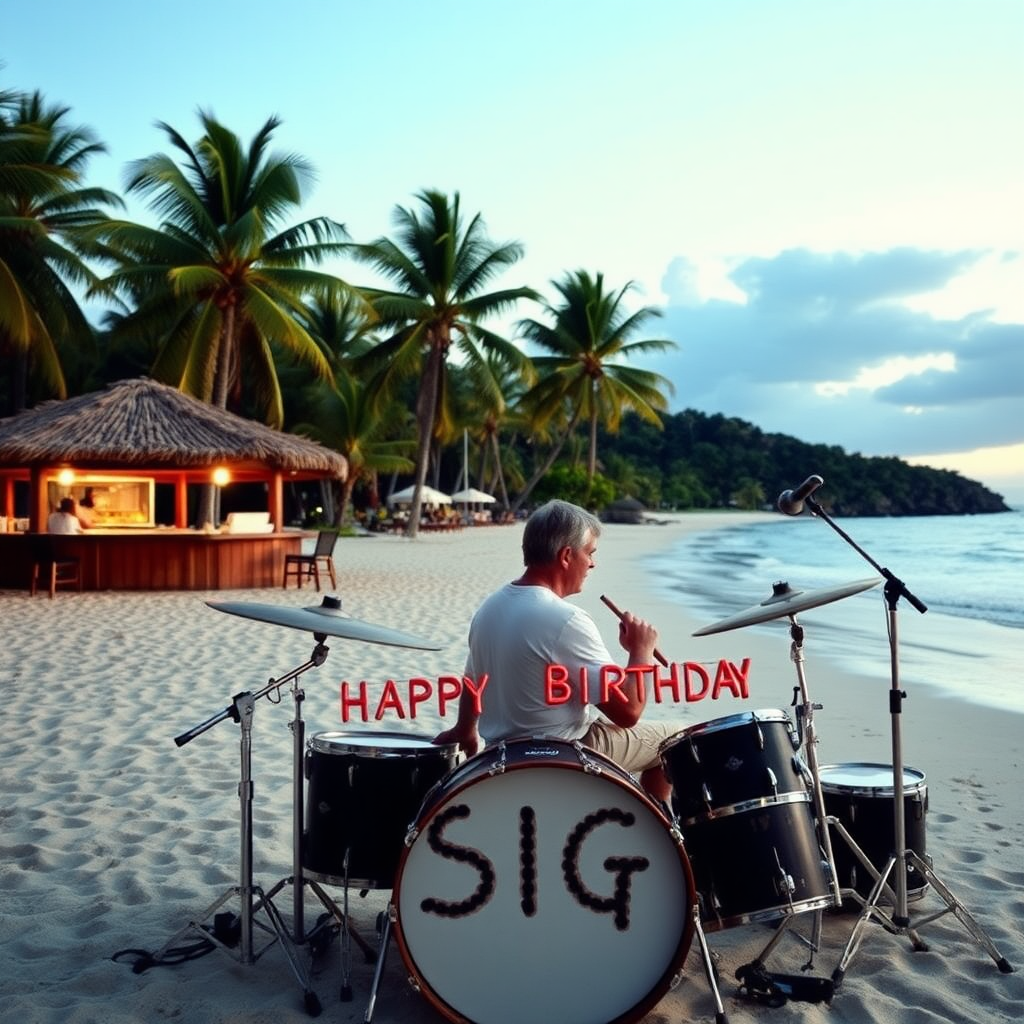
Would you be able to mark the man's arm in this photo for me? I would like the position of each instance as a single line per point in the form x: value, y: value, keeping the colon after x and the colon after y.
x: 464, y: 732
x: 638, y: 638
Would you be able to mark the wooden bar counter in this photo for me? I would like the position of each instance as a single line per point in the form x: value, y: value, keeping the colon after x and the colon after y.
x: 160, y: 559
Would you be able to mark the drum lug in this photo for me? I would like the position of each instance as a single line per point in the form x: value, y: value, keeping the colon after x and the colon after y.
x: 760, y: 735
x: 498, y: 768
x: 410, y: 836
x: 589, y: 766
x: 414, y: 983
x: 706, y: 793
x: 693, y: 752
x: 773, y: 782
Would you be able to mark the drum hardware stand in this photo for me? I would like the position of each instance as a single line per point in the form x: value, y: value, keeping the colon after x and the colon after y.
x: 241, y: 711
x: 710, y: 969
x: 898, y: 922
x: 808, y: 739
x: 297, y: 879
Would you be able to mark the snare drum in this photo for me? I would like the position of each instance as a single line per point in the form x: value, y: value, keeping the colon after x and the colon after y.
x: 733, y: 760
x: 364, y: 790
x: 540, y: 883
x: 862, y: 797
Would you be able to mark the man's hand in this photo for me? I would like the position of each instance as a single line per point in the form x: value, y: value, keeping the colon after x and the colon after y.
x: 639, y: 638
x: 467, y: 738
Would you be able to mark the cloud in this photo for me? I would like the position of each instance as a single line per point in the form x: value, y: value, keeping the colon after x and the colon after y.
x: 810, y: 318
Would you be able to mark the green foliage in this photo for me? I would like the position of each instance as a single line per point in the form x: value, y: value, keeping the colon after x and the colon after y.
x: 570, y: 483
x: 716, y: 461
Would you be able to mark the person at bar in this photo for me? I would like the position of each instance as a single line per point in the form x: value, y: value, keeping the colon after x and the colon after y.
x: 64, y: 520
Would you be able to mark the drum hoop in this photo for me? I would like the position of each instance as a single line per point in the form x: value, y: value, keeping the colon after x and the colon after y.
x: 881, y: 792
x: 749, y: 805
x: 325, y: 743
x: 673, y: 968
x: 769, y: 913
x: 728, y: 722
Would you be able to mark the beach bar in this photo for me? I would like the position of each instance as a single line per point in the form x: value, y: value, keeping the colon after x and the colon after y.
x: 129, y: 444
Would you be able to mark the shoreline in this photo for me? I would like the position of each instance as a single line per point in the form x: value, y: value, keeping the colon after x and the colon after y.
x: 114, y: 838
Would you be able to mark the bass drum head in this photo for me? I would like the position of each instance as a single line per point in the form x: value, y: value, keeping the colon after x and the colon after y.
x: 544, y: 893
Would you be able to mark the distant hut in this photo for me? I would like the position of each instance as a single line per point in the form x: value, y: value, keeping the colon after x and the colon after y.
x: 623, y: 510
x: 141, y: 426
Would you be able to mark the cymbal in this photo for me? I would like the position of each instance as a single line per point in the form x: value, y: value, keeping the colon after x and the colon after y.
x: 786, y: 601
x: 327, y: 618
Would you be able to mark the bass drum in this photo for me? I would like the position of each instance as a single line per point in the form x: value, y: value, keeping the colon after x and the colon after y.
x: 540, y: 883
x: 861, y: 796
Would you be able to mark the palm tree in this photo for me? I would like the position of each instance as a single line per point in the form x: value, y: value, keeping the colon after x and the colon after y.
x: 348, y: 419
x: 212, y: 285
x: 45, y: 213
x: 492, y: 390
x: 589, y: 328
x: 441, y: 267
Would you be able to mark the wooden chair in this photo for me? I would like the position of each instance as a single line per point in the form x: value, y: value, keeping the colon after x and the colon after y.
x: 62, y: 570
x: 304, y: 567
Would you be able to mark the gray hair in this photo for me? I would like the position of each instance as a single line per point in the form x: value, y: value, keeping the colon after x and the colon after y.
x: 553, y: 526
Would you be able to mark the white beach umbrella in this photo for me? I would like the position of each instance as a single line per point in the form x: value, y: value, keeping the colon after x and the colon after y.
x: 471, y: 494
x: 428, y: 496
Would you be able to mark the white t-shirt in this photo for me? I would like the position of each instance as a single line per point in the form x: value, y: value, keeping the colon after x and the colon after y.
x: 63, y: 522
x: 515, y: 635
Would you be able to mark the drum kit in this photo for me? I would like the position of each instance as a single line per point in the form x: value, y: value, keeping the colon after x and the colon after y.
x: 537, y: 880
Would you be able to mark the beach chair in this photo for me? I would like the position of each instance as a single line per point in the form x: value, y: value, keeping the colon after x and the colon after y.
x: 60, y: 569
x: 304, y: 567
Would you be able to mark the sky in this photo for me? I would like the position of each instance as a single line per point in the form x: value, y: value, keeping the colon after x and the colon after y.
x: 824, y: 200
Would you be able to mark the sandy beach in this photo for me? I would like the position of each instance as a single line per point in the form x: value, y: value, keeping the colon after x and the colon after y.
x: 112, y: 837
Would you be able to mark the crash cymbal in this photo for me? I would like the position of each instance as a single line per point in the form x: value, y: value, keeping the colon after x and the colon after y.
x: 786, y: 601
x: 327, y: 618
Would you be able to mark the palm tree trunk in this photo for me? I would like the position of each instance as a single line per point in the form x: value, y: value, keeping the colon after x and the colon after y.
x: 426, y: 407
x: 221, y: 386
x: 503, y: 490
x: 592, y: 452
x: 346, y: 495
x: 547, y: 464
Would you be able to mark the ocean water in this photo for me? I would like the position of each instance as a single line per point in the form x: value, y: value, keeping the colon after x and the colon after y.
x: 967, y: 570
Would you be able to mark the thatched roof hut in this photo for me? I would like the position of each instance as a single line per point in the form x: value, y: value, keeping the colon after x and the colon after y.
x: 143, y: 426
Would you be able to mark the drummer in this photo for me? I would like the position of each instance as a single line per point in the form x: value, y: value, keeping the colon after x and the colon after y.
x: 527, y: 625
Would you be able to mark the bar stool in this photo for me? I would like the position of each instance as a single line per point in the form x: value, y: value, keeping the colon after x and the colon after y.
x: 63, y: 570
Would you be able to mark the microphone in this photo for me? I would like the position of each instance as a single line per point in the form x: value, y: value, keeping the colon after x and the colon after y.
x: 792, y: 502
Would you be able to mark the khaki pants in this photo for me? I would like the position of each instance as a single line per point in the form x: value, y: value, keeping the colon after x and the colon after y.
x: 635, y: 748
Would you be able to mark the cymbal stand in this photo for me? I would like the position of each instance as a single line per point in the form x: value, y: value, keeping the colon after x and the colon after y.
x: 898, y: 922
x: 241, y: 710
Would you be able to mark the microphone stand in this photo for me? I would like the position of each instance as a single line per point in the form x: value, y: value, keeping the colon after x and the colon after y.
x: 898, y: 922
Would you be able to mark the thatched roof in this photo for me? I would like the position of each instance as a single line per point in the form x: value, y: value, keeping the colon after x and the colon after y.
x: 142, y: 423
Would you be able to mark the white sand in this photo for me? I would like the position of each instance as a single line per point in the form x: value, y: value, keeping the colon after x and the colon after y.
x: 113, y: 837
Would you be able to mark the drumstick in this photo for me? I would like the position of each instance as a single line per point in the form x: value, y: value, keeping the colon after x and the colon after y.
x: 657, y: 654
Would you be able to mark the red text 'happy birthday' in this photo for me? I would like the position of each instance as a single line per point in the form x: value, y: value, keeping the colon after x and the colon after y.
x: 686, y: 681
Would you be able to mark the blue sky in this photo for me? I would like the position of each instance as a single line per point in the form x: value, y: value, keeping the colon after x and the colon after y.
x: 825, y: 199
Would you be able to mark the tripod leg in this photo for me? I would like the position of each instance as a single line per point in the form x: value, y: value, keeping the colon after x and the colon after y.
x: 384, y: 930
x: 870, y: 908
x: 960, y: 912
x: 709, y: 968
